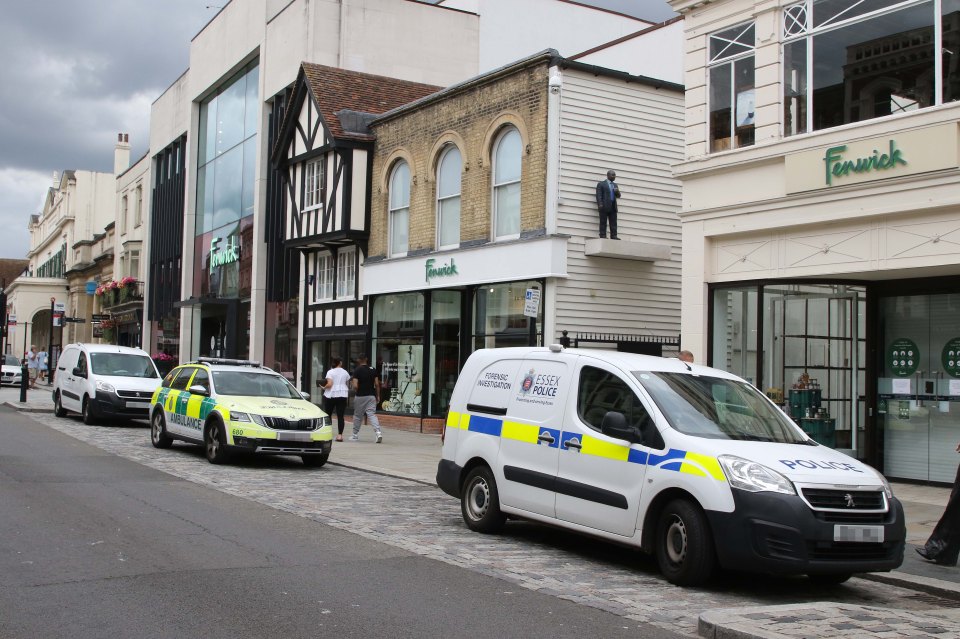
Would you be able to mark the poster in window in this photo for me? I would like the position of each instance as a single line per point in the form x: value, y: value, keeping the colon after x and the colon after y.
x: 746, y: 101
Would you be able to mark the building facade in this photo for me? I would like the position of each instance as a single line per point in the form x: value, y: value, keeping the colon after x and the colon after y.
x: 484, y: 225
x: 820, y: 217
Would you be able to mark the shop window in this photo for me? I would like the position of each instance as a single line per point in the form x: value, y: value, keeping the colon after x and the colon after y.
x: 313, y: 184
x: 449, y: 172
x: 732, y: 94
x: 399, y: 212
x: 850, y: 61
x: 324, y: 277
x: 498, y: 318
x: 506, y: 184
x: 445, y: 354
x: 398, y: 323
x: 735, y: 331
x: 346, y: 273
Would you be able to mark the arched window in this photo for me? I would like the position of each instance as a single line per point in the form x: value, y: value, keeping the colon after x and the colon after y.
x: 399, y: 213
x: 507, y: 152
x: 448, y: 198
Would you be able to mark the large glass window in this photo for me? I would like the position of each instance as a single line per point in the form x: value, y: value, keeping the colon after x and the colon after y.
x: 866, y: 59
x: 445, y: 355
x: 507, y: 153
x: 448, y: 198
x: 498, y: 318
x: 735, y: 331
x: 398, y: 322
x: 346, y: 273
x: 399, y: 213
x: 732, y: 95
x: 324, y: 278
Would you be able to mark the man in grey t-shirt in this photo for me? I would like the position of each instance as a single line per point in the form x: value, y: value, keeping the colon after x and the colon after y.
x: 366, y: 381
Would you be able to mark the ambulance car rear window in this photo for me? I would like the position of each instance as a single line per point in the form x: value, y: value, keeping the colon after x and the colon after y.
x: 718, y: 408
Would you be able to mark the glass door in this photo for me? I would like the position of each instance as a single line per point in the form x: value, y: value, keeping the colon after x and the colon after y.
x: 919, y: 388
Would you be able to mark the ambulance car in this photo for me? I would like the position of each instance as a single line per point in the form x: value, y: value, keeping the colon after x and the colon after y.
x: 238, y: 406
x: 689, y: 463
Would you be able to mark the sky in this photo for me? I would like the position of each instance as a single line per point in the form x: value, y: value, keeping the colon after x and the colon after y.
x: 78, y: 73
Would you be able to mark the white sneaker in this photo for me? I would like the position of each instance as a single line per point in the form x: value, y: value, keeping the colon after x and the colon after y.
x: 379, y: 437
x: 354, y: 438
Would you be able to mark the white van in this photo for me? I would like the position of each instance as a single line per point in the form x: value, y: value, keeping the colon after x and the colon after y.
x: 686, y: 462
x: 104, y: 381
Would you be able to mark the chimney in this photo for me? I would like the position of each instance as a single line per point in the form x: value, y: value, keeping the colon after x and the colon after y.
x: 121, y: 154
x: 56, y: 179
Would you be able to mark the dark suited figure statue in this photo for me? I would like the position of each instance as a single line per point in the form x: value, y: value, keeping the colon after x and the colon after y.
x: 944, y: 543
x: 607, y: 194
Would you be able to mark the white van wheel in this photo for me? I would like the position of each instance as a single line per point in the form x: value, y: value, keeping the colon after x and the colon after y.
x: 58, y: 408
x: 86, y: 411
x: 685, y: 551
x: 480, y: 502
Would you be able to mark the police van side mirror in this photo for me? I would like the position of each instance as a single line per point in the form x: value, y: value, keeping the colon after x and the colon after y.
x: 615, y: 424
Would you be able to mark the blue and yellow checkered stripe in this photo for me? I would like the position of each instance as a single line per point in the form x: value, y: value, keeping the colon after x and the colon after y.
x: 673, y: 459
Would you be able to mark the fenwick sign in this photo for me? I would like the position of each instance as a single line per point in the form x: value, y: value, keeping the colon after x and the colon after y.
x: 443, y: 270
x: 220, y: 255
x: 836, y: 165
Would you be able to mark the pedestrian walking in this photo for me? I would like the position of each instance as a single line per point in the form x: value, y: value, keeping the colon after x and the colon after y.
x: 366, y: 381
x: 42, y: 366
x: 943, y: 546
x: 335, y: 392
x: 33, y: 365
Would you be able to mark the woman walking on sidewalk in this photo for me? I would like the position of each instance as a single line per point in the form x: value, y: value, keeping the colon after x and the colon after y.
x: 335, y: 394
x: 944, y: 544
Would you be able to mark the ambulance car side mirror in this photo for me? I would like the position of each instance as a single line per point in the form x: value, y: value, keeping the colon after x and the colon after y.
x: 615, y: 424
x: 197, y: 389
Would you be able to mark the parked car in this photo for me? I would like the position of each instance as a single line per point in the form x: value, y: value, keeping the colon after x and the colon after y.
x: 102, y: 381
x: 691, y: 464
x: 231, y: 406
x: 11, y: 370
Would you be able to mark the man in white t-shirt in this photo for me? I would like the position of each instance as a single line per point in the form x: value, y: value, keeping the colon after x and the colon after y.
x: 335, y: 394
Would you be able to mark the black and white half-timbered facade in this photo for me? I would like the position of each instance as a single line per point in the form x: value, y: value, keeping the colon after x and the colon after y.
x: 324, y: 153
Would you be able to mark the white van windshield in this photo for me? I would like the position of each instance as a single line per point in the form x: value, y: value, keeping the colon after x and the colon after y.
x: 122, y: 365
x: 717, y: 408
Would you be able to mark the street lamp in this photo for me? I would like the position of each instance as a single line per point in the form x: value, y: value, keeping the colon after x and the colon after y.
x: 24, y: 371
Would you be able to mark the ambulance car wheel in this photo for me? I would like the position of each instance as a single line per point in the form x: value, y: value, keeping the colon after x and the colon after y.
x: 480, y: 503
x: 830, y: 580
x: 684, y: 550
x: 58, y: 408
x: 158, y: 431
x: 215, y: 442
x: 87, y: 412
x: 315, y: 461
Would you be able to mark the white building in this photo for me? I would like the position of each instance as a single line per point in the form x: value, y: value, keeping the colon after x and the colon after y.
x: 821, y: 220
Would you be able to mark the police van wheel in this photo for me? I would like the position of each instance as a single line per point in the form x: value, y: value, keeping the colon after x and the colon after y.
x: 480, y: 503
x: 158, y: 431
x: 87, y: 412
x: 58, y: 408
x: 215, y: 442
x: 685, y: 551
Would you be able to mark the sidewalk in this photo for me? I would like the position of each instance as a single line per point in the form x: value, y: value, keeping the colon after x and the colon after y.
x: 414, y: 456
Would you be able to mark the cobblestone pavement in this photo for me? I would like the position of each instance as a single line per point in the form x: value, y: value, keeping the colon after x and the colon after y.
x: 423, y: 520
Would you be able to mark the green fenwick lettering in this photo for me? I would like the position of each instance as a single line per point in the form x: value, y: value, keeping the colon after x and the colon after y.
x: 836, y: 166
x: 443, y: 270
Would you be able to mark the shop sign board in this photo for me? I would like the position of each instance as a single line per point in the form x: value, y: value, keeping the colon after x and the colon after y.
x: 11, y: 320
x: 531, y: 303
x: 903, y: 357
x: 225, y: 254
x: 899, y: 154
x: 434, y: 270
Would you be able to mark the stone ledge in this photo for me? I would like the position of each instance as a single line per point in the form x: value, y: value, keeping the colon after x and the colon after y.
x: 626, y: 250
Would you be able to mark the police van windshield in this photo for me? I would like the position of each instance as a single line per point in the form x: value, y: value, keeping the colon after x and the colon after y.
x: 253, y: 385
x: 718, y: 408
x: 123, y: 365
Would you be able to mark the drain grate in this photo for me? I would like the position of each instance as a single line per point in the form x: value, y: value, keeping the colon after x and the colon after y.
x: 927, y: 598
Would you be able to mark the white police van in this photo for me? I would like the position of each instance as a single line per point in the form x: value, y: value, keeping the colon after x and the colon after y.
x: 686, y: 462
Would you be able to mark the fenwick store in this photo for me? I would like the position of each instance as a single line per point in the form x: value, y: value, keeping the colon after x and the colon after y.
x: 427, y: 314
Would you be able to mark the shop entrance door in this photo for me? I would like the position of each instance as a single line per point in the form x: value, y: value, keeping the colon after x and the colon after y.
x: 918, y: 391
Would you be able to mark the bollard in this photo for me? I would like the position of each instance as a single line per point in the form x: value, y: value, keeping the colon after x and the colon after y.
x: 24, y: 380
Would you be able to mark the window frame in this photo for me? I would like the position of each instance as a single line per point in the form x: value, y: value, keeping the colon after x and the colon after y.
x: 138, y: 207
x: 730, y: 60
x: 314, y: 176
x: 345, y: 276
x: 442, y: 199
x: 392, y: 211
x: 325, y: 277
x: 495, y: 186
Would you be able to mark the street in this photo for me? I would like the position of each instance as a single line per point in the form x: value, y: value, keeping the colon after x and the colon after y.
x: 103, y: 524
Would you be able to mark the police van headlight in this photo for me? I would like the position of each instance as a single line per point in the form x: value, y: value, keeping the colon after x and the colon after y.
x: 753, y: 477
x: 105, y: 387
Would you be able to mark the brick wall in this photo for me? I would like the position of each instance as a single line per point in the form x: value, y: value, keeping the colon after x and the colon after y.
x: 469, y: 118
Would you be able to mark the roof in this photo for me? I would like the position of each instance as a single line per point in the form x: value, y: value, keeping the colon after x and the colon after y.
x: 10, y: 269
x: 336, y: 90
